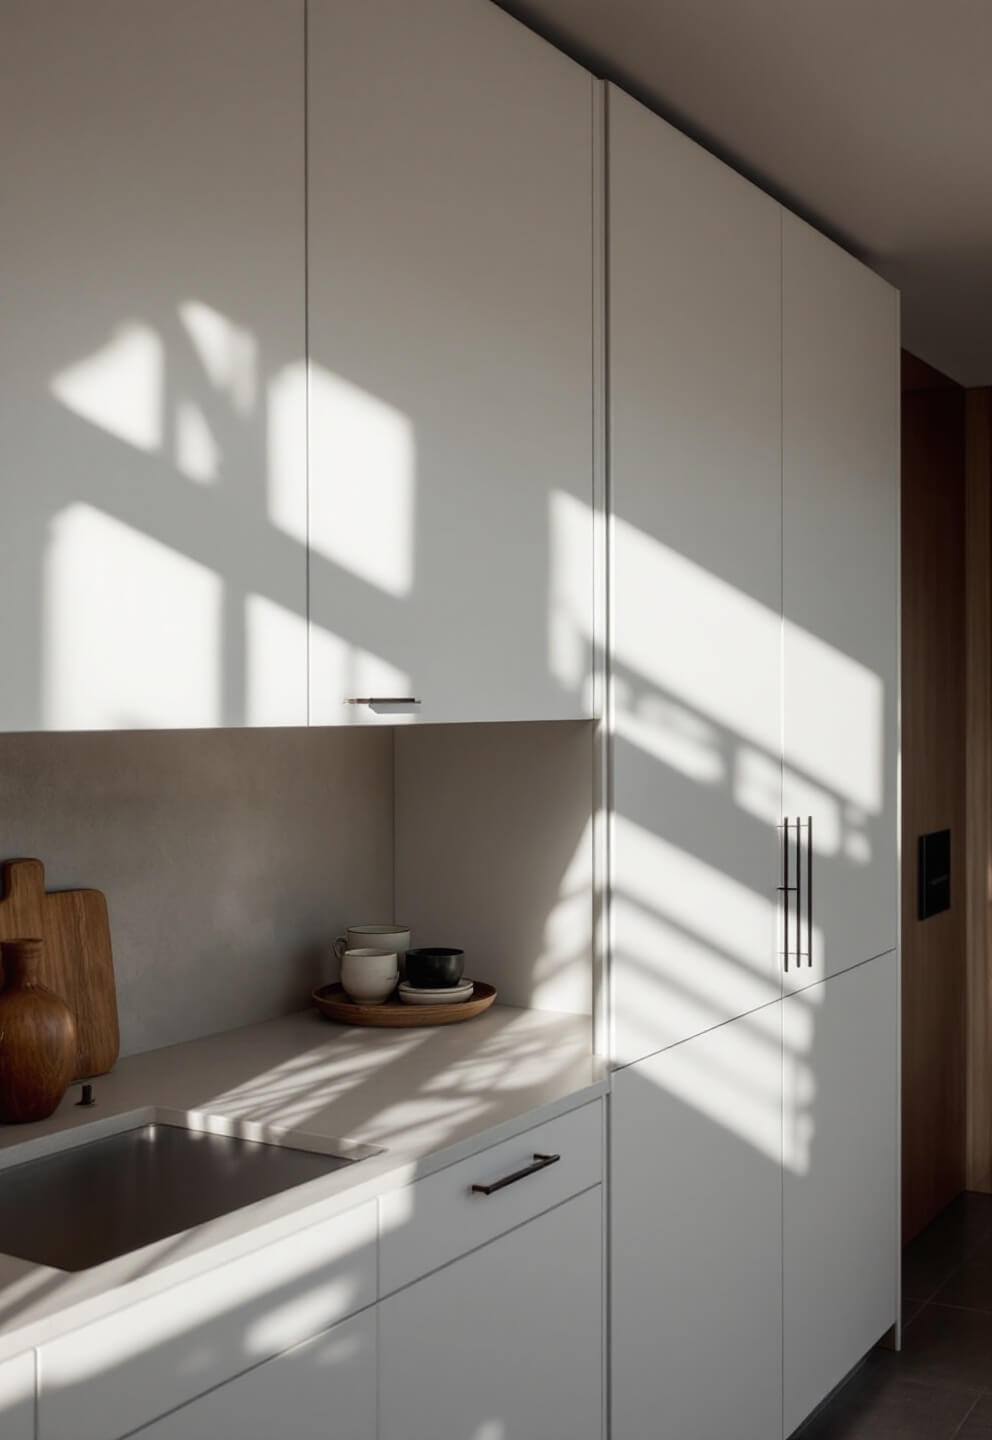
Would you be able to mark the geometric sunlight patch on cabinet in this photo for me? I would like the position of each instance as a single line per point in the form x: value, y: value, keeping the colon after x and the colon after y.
x: 840, y: 1177
x: 696, y: 1251
x: 840, y: 548
x: 695, y: 410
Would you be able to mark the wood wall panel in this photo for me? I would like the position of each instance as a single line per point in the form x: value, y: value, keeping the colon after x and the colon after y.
x: 933, y: 729
x: 978, y: 514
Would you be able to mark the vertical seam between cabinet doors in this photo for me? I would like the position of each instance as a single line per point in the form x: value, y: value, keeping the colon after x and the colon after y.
x: 378, y: 1351
x: 601, y: 160
x: 306, y: 321
x: 897, y: 480
x: 601, y: 996
x: 782, y: 714
x: 609, y: 551
x: 393, y: 732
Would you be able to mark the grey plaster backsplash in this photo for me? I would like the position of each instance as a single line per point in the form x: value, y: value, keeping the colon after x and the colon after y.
x: 230, y: 859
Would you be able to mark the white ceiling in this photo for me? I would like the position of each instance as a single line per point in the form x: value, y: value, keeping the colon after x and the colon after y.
x: 872, y: 118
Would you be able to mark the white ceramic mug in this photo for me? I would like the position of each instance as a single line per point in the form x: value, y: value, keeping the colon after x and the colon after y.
x: 369, y: 977
x: 374, y: 937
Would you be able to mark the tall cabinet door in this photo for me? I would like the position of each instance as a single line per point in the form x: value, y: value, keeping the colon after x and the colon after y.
x: 451, y: 288
x: 840, y: 1177
x: 840, y: 407
x: 696, y: 1258
x: 153, y: 410
x: 694, y: 365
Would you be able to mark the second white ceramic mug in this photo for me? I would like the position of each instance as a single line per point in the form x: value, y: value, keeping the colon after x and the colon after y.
x: 374, y: 937
x: 369, y: 976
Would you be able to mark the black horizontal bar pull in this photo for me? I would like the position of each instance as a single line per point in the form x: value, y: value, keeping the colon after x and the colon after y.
x: 382, y: 700
x: 540, y: 1162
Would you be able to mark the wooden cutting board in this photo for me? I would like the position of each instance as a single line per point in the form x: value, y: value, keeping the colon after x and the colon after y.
x: 78, y: 963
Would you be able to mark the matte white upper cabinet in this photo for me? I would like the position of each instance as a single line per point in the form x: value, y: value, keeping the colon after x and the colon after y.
x: 451, y: 285
x: 695, y: 466
x: 153, y: 407
x: 840, y: 457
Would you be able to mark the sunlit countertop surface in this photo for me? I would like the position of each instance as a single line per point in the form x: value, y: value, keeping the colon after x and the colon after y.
x: 425, y: 1097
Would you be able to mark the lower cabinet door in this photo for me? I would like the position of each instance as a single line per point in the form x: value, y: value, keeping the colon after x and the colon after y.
x: 505, y: 1343
x: 17, y: 1384
x: 324, y: 1389
x: 840, y: 1155
x: 696, y: 1238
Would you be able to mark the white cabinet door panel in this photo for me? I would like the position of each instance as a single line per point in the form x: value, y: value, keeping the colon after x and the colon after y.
x: 451, y: 360
x: 137, y: 1363
x: 17, y: 1381
x: 694, y: 360
x: 504, y: 1344
x: 323, y: 1390
x: 840, y: 406
x: 841, y: 1175
x: 696, y: 1253
x: 153, y: 412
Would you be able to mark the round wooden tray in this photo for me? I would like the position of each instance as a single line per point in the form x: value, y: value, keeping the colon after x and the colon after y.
x: 331, y: 1001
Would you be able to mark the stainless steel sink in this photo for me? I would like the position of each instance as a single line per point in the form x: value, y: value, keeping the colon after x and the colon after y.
x: 109, y: 1193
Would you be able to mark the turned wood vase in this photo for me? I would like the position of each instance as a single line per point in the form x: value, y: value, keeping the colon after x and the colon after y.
x: 37, y: 1037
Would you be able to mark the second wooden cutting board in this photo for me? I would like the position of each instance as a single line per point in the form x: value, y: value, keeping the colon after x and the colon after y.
x: 78, y: 962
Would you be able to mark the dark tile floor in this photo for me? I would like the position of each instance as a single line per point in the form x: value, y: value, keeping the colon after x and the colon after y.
x: 939, y: 1386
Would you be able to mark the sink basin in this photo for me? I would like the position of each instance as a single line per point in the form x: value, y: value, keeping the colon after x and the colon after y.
x: 106, y: 1194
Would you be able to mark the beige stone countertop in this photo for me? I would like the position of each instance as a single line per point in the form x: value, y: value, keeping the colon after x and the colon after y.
x: 425, y: 1097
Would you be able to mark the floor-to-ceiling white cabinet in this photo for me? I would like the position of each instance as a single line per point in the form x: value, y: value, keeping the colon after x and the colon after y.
x: 451, y: 311
x: 840, y: 553
x: 695, y: 493
x: 754, y: 485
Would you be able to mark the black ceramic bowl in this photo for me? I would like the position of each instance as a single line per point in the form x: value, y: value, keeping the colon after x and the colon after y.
x: 434, y: 967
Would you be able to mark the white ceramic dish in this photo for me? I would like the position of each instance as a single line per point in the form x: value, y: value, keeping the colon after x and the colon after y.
x: 443, y: 995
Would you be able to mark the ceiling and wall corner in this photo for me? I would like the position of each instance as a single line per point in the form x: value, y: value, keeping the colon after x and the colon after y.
x: 870, y: 121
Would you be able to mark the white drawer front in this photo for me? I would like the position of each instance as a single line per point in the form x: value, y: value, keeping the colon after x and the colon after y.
x: 121, y: 1372
x: 17, y: 1398
x: 439, y: 1218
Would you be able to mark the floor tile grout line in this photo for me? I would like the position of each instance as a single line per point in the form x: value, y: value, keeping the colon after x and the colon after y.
x: 968, y: 1309
x: 965, y: 1418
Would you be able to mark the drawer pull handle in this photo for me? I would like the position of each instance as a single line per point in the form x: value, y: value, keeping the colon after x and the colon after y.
x: 541, y: 1162
x: 382, y: 700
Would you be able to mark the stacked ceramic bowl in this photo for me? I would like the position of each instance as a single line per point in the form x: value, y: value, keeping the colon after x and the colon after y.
x: 434, y: 977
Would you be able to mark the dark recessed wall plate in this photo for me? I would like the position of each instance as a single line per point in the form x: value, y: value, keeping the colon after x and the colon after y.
x: 934, y: 871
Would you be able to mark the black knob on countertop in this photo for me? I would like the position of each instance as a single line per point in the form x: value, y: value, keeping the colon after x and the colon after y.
x: 87, y: 1096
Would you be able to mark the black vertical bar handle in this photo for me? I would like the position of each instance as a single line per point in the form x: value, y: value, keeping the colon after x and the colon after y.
x: 784, y: 887
x: 799, y: 893
x: 809, y: 886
